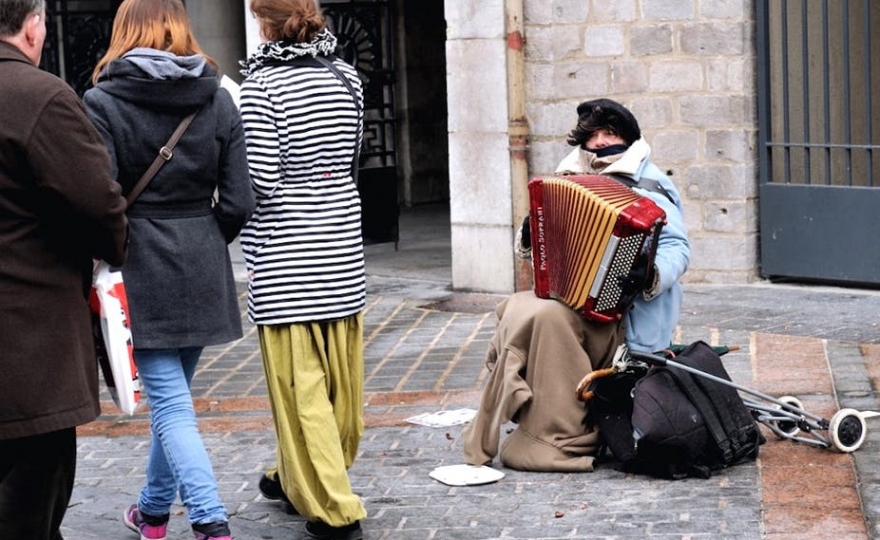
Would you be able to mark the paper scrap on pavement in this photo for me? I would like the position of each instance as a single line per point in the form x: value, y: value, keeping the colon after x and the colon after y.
x: 466, y: 475
x: 443, y: 418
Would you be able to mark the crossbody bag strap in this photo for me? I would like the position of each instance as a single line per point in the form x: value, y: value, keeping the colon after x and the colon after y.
x: 164, y: 155
x: 644, y: 183
x: 335, y: 70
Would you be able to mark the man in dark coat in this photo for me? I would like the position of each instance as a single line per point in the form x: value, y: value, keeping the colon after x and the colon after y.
x: 59, y: 209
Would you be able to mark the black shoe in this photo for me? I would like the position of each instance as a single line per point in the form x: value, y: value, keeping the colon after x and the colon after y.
x: 271, y: 489
x: 218, y: 530
x: 318, y: 530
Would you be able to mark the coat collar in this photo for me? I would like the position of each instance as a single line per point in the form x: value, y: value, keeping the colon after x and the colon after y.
x: 630, y: 163
x: 9, y: 51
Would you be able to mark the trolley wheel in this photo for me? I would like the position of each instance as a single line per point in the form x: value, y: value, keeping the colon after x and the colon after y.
x: 789, y: 427
x: 847, y: 429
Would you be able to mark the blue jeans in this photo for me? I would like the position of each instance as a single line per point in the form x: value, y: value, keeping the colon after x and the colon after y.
x: 178, y: 460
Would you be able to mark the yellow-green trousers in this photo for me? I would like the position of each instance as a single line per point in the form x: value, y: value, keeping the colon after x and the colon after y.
x: 315, y: 375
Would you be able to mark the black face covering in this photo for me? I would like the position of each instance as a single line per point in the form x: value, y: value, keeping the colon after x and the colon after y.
x: 609, y: 150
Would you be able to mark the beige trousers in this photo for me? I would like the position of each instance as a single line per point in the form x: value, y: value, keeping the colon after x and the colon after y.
x: 540, y: 351
x: 315, y: 375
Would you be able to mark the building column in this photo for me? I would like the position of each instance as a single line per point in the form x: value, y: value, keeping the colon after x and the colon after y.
x: 218, y: 25
x: 481, y: 216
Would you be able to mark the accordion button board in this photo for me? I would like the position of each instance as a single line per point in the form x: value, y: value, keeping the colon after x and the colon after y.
x: 588, y: 233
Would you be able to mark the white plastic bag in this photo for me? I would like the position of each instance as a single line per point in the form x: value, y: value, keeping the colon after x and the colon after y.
x: 113, y: 344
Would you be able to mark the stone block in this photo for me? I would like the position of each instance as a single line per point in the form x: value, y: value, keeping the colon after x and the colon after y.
x: 539, y: 82
x: 538, y: 12
x: 664, y: 10
x: 554, y: 119
x: 720, y: 277
x: 713, y: 38
x: 650, y: 40
x: 578, y: 80
x: 724, y: 9
x: 737, y: 217
x: 723, y: 252
x: 675, y: 146
x: 476, y: 64
x: 693, y: 215
x: 556, y: 11
x: 604, y: 40
x: 617, y: 11
x: 479, y: 178
x: 705, y: 110
x: 474, y: 20
x: 629, y: 78
x: 652, y: 112
x: 676, y: 76
x: 567, y: 44
x: 541, y: 41
x: 567, y: 11
x: 545, y: 155
x: 736, y: 145
x: 483, y: 258
x: 732, y: 74
x: 727, y: 182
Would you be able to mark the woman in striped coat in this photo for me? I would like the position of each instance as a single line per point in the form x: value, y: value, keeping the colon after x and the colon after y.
x: 304, y: 256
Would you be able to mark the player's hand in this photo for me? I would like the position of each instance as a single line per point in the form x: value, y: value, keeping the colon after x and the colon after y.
x: 526, y: 234
x: 640, y: 278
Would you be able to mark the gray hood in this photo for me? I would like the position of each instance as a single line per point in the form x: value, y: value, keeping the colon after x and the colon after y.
x: 156, y: 78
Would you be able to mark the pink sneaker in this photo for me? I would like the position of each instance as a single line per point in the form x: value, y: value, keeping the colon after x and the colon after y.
x: 134, y: 520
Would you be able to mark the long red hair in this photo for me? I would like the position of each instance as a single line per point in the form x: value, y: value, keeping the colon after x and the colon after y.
x: 156, y: 24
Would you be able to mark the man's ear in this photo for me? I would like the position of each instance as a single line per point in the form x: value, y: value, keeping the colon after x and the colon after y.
x: 31, y: 25
x: 32, y: 37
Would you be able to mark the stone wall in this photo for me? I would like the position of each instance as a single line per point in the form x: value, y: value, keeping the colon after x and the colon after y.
x: 686, y: 69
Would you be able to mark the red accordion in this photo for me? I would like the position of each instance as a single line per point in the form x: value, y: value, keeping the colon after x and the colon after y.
x: 587, y: 233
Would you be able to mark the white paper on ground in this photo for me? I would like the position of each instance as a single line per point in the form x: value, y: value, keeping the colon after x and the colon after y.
x: 466, y: 475
x: 443, y: 418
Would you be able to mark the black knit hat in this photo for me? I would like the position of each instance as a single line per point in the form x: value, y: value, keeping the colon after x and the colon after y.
x: 606, y: 113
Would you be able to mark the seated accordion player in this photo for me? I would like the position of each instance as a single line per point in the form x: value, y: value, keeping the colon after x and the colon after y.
x: 588, y: 233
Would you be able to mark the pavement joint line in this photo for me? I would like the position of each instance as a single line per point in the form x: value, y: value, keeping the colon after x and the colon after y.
x: 421, y: 357
x: 385, y: 359
x: 381, y: 325
x: 456, y: 359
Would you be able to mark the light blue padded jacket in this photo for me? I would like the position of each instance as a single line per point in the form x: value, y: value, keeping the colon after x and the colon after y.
x: 651, y: 322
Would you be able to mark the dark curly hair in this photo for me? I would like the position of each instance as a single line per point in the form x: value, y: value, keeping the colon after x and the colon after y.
x: 604, y: 114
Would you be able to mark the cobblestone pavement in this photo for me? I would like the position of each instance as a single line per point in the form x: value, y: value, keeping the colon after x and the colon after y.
x: 425, y: 349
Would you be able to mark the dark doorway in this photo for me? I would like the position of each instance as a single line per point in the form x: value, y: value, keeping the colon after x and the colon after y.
x: 364, y: 30
x: 425, y: 132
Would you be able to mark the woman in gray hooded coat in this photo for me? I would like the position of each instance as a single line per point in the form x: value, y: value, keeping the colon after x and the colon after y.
x: 178, y: 276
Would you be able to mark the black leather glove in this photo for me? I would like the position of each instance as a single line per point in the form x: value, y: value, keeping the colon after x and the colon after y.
x: 640, y: 278
x: 526, y: 234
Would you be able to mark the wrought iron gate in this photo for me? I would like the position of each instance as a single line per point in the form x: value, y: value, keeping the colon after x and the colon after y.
x: 77, y: 35
x: 364, y: 31
x: 818, y: 79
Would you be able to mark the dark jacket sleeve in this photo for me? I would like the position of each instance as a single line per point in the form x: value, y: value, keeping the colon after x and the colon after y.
x: 78, y: 182
x: 235, y: 197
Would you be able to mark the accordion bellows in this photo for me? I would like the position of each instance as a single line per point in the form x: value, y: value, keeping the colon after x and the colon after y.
x: 587, y: 233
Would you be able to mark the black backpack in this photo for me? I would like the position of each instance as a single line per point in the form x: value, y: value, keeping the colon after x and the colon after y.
x: 669, y: 423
